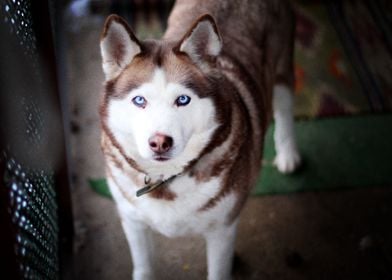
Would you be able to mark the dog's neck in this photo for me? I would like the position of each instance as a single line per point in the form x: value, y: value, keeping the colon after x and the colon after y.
x: 151, y: 186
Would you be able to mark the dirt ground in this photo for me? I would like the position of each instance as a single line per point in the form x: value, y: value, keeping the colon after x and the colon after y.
x: 325, y: 235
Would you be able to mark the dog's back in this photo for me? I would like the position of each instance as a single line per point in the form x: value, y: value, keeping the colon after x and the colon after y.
x: 257, y: 35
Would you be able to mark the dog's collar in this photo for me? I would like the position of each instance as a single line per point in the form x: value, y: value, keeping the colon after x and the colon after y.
x: 149, y: 187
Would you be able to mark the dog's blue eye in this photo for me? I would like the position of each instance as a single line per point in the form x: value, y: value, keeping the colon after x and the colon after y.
x: 183, y: 100
x: 139, y: 101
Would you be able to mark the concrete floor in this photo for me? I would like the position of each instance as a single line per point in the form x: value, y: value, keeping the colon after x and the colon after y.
x: 326, y: 235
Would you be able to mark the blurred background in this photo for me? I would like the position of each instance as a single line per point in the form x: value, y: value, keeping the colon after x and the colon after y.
x: 329, y: 220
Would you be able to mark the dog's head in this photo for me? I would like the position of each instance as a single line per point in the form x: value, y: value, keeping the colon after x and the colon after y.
x: 160, y: 102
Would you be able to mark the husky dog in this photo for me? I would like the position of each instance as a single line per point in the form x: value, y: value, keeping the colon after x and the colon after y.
x: 183, y: 120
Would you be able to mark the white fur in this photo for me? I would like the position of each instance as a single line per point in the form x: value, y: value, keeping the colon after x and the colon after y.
x: 220, y: 251
x: 175, y: 218
x: 142, y: 247
x: 117, y: 37
x: 287, y: 157
x: 190, y: 126
x: 182, y: 215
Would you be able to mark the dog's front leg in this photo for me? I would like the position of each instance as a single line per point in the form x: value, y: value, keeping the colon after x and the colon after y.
x: 220, y: 251
x: 141, y: 245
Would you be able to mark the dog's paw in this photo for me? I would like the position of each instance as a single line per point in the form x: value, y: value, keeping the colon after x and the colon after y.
x: 139, y: 274
x: 287, y: 161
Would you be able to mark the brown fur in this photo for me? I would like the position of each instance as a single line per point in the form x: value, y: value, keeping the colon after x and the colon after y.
x: 164, y: 193
x: 261, y: 55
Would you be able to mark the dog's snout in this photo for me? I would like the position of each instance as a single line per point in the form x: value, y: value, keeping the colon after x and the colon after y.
x: 160, y: 143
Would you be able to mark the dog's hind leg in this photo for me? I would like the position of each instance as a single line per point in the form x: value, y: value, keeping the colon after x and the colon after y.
x: 220, y: 251
x: 287, y: 157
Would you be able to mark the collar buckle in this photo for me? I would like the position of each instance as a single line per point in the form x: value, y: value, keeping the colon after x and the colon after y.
x: 149, y: 187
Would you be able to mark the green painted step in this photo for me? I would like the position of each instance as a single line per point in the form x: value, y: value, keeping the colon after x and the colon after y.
x: 338, y: 153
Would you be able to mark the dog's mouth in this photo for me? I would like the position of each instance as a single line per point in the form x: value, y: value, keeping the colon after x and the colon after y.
x: 161, y: 158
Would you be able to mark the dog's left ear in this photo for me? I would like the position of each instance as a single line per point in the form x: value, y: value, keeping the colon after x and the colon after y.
x: 202, y: 43
x: 118, y: 46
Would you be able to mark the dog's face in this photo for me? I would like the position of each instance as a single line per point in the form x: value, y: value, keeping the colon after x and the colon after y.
x: 159, y: 100
x: 161, y: 117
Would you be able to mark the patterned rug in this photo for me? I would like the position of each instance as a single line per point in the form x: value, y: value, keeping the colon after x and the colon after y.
x: 343, y: 57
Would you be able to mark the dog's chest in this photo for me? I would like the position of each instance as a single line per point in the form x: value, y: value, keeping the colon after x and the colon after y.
x: 185, y: 214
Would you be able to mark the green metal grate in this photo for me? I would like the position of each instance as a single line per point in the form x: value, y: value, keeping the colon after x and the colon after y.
x: 33, y: 210
x: 31, y: 143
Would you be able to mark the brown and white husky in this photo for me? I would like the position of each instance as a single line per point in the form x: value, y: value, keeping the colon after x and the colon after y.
x: 183, y: 120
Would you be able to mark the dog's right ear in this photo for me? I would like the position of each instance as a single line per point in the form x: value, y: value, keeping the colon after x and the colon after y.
x: 202, y: 43
x: 118, y: 46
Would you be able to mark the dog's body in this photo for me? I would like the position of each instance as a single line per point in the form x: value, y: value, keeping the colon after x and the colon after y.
x: 190, y: 111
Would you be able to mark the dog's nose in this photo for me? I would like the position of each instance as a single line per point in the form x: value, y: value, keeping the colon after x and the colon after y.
x: 160, y: 143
